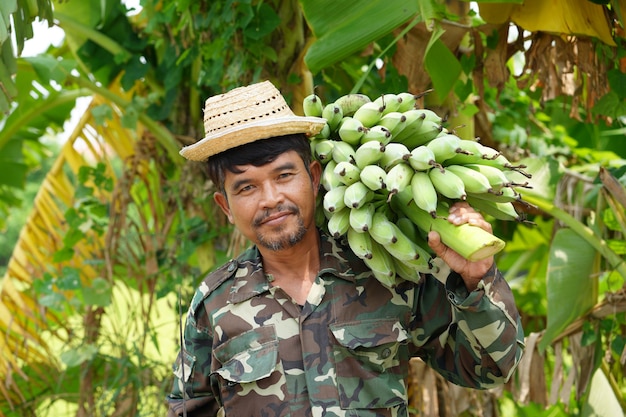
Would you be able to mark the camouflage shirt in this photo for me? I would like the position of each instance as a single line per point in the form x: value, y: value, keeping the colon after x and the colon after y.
x: 249, y: 350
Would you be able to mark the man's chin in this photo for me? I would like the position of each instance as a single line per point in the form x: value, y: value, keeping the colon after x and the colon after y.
x: 281, y: 240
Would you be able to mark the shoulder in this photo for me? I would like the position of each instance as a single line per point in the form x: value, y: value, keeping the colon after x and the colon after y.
x: 217, y: 281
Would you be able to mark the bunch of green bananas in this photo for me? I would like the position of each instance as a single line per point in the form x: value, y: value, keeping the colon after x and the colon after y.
x: 391, y: 170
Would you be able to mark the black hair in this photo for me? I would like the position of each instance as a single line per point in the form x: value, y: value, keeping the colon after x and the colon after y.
x: 257, y: 153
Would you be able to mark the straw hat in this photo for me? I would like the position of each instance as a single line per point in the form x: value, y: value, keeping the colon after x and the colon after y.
x: 246, y: 114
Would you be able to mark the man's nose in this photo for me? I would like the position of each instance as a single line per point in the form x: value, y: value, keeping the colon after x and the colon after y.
x: 272, y: 195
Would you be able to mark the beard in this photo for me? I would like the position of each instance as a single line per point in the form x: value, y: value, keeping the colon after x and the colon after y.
x: 281, y: 239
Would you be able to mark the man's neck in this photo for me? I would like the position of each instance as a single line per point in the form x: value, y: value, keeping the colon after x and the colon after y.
x: 294, y: 269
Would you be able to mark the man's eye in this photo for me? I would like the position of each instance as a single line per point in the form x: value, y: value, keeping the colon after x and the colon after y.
x: 244, y: 189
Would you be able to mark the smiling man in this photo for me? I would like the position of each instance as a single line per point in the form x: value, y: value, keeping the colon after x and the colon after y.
x: 297, y: 325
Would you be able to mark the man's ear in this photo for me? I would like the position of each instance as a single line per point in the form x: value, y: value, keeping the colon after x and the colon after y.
x: 316, y: 174
x: 221, y: 200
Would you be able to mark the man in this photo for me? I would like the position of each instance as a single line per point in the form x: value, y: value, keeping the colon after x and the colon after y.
x: 297, y: 325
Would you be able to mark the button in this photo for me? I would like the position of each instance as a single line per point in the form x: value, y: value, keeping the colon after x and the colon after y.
x: 386, y: 353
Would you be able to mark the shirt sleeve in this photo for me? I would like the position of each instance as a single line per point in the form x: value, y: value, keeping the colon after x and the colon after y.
x: 474, y: 339
x: 191, y: 390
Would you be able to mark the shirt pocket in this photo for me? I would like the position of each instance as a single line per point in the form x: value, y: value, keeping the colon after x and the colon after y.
x: 371, y: 361
x: 248, y: 357
x: 249, y: 374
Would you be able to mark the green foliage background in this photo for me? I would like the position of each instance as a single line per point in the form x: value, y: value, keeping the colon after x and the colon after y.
x: 153, y: 69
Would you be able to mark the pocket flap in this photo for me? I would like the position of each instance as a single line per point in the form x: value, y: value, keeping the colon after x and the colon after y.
x: 369, y: 333
x: 251, y: 356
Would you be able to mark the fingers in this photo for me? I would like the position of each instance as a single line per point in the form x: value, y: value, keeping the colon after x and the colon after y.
x: 461, y: 212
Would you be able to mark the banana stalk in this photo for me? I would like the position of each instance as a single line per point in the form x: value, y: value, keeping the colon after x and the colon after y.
x: 471, y: 242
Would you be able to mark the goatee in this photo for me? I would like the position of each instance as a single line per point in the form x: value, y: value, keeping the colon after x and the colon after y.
x: 283, y: 241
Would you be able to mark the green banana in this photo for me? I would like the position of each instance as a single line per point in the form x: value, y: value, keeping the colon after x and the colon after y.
x: 381, y: 264
x: 471, y: 147
x: 491, y: 157
x: 447, y: 183
x: 361, y: 217
x: 408, y: 228
x: 374, y: 177
x: 394, y: 122
x: 501, y: 211
x: 410, y: 272
x: 339, y: 223
x: 398, y: 178
x: 347, y: 172
x: 444, y: 147
x: 333, y: 115
x: 360, y: 243
x: 487, y: 152
x: 474, y: 181
x: 411, y: 230
x: 368, y: 153
x: 376, y: 133
x: 474, y: 152
x: 369, y: 114
x: 407, y: 100
x: 422, y: 158
x: 351, y: 130
x: 496, y: 177
x: 357, y: 194
x: 428, y: 131
x: 350, y: 103
x: 324, y: 133
x: 343, y: 151
x: 412, y: 125
x: 424, y: 192
x: 503, y: 195
x: 389, y: 102
x: 432, y: 116
x: 323, y: 149
x: 394, y: 154
x: 333, y: 199
x: 388, y: 234
x: 312, y: 106
x: 329, y: 179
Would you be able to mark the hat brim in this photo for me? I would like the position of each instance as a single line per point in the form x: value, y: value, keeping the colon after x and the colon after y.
x: 241, y: 135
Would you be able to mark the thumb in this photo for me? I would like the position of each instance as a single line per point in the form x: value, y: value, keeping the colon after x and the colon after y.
x: 435, y: 243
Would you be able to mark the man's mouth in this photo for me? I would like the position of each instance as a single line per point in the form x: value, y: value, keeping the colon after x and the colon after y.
x: 275, y: 215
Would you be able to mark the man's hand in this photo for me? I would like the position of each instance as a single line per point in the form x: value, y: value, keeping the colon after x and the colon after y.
x: 471, y: 272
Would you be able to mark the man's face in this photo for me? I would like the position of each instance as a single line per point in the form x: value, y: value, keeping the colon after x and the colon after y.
x: 272, y: 205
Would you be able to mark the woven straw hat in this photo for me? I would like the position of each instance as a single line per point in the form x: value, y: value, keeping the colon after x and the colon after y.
x: 246, y: 114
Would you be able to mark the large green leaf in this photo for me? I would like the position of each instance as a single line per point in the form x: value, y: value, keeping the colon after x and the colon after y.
x: 39, y: 106
x: 345, y: 27
x: 7, y: 7
x: 545, y: 175
x: 23, y: 13
x: 602, y: 400
x: 572, y: 290
x: 442, y: 66
x: 7, y: 60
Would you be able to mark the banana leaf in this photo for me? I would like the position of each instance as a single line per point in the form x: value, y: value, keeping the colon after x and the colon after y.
x: 342, y: 28
x: 571, y: 287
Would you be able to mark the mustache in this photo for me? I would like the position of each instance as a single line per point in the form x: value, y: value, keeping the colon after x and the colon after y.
x: 290, y: 208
